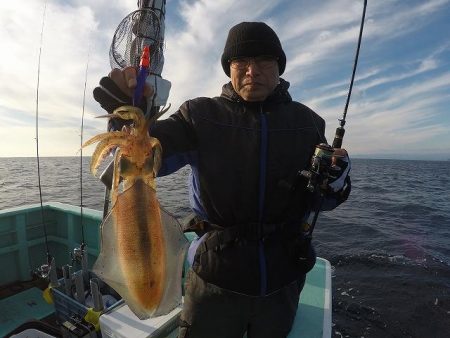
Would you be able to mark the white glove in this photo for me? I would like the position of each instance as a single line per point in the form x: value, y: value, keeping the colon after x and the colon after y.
x: 193, y: 249
x: 339, y: 172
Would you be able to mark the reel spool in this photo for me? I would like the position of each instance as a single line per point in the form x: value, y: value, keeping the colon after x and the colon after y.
x: 318, y: 173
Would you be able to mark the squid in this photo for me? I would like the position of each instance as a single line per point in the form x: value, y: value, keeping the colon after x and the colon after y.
x: 142, y: 245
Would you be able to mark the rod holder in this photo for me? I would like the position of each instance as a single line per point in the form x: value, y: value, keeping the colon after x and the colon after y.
x: 52, y: 274
x: 79, y: 287
x: 67, y: 276
x: 96, y: 295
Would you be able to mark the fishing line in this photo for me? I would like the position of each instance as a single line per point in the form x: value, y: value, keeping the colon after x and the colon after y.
x: 37, y: 137
x: 81, y: 150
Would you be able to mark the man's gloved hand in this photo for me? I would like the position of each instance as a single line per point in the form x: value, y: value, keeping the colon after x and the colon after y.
x: 339, y: 171
x: 116, y: 90
x: 338, y: 187
x: 110, y: 96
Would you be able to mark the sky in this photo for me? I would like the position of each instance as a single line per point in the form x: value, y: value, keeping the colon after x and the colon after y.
x: 399, y: 108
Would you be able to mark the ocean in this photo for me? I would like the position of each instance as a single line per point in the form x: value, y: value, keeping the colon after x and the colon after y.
x: 389, y: 244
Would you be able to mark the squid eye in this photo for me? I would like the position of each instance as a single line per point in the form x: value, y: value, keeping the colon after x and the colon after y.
x: 125, y: 165
x: 148, y: 164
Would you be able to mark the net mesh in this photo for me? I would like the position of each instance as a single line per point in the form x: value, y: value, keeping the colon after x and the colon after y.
x: 143, y: 27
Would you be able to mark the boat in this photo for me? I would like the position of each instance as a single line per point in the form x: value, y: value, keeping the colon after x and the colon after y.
x: 25, y: 313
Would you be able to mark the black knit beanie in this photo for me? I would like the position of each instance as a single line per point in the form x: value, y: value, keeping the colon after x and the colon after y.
x: 250, y: 39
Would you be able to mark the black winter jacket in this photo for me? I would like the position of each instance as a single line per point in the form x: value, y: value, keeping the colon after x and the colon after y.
x: 245, y: 158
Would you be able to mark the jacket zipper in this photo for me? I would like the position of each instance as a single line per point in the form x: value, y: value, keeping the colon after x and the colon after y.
x: 262, y: 191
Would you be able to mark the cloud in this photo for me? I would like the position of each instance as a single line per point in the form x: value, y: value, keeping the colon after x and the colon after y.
x: 194, y: 49
x: 399, y: 89
x: 403, y: 118
x: 377, y: 77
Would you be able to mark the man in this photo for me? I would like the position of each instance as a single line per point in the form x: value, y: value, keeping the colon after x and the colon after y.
x: 245, y: 149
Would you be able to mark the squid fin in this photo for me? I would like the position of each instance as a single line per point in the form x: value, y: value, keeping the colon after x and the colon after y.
x: 176, y: 248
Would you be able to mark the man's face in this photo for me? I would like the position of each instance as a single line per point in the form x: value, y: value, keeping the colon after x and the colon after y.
x: 254, y: 79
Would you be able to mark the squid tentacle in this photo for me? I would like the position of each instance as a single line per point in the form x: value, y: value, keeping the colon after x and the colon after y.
x: 100, y: 137
x: 102, y: 150
x: 116, y: 177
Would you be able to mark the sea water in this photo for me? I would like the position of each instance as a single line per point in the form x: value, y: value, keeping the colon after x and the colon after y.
x: 389, y: 244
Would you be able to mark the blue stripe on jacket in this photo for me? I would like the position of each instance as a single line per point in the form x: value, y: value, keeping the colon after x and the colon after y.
x: 262, y: 191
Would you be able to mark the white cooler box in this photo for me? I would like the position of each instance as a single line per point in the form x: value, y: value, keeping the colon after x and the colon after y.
x: 120, y: 322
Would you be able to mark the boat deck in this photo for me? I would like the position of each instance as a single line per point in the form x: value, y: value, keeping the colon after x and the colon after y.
x: 22, y: 250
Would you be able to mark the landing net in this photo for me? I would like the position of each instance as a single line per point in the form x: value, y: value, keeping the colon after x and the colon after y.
x: 143, y: 27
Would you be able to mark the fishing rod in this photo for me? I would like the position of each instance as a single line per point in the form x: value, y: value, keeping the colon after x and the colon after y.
x: 340, y: 131
x: 79, y: 254
x: 43, y: 269
x: 321, y: 161
x: 81, y: 150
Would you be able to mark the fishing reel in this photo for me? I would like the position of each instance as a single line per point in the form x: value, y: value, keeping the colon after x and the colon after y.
x: 319, y: 171
x: 42, y: 271
x: 79, y: 257
x: 47, y: 271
